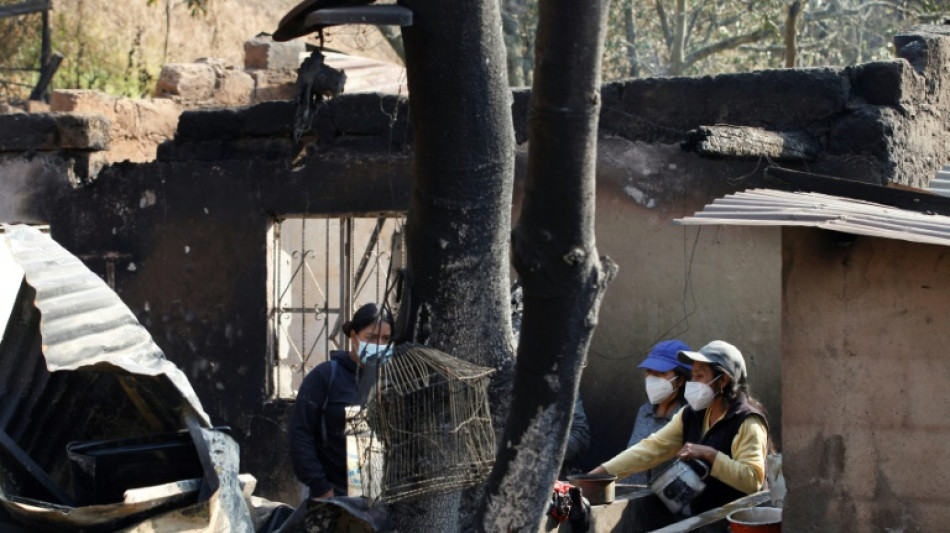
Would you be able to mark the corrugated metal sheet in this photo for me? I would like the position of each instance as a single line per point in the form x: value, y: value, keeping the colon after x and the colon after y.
x: 941, y: 182
x: 75, y: 364
x: 766, y: 207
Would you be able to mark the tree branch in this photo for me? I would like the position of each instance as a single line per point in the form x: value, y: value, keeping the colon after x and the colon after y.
x: 664, y: 23
x: 728, y: 44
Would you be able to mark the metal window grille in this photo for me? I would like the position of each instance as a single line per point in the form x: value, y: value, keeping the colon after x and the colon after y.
x: 320, y: 270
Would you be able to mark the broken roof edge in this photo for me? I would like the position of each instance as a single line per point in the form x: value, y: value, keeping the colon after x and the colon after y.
x: 770, y: 207
x: 70, y: 298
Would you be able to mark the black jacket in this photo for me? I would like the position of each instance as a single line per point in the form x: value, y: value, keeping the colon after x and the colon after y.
x: 318, y: 465
x: 720, y: 437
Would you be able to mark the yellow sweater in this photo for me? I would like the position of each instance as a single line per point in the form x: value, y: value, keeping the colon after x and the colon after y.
x: 744, y: 471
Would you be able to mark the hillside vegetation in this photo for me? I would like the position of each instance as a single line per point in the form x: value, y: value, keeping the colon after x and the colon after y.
x: 120, y: 46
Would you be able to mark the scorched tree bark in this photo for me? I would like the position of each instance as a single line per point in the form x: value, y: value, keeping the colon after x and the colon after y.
x: 556, y: 257
x: 460, y: 211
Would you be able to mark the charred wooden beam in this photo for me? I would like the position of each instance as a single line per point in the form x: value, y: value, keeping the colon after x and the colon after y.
x: 746, y: 142
x: 12, y: 449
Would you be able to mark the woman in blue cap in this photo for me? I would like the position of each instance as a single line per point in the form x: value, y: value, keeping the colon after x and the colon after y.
x: 722, y: 426
x: 666, y: 377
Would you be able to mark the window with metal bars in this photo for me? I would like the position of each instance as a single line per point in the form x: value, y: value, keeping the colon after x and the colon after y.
x: 320, y: 270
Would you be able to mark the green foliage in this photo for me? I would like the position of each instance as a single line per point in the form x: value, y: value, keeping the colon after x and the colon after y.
x: 19, y: 52
x: 94, y: 60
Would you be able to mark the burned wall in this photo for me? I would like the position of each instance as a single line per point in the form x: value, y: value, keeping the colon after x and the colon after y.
x: 865, y: 383
x: 183, y: 238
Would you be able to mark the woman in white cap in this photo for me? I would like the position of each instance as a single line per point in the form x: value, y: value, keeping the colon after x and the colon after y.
x: 665, y: 380
x: 722, y: 426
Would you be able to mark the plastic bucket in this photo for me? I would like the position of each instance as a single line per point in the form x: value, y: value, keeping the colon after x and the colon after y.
x: 756, y: 520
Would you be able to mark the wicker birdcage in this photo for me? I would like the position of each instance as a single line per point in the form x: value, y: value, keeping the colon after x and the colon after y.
x: 430, y: 419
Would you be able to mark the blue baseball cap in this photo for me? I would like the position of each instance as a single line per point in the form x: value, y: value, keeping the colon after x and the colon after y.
x: 662, y: 358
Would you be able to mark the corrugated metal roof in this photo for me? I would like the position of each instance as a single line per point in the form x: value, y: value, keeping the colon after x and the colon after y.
x: 76, y: 364
x: 941, y: 182
x: 767, y: 207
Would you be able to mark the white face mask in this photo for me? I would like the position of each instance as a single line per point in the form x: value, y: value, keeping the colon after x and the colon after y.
x: 369, y: 351
x: 658, y: 389
x: 700, y: 395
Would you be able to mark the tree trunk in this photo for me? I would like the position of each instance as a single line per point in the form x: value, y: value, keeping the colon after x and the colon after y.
x: 630, y: 32
x: 460, y: 211
x: 557, y: 261
x: 791, y: 33
x: 678, y: 50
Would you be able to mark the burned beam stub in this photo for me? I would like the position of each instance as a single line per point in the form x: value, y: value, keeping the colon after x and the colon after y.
x: 750, y: 143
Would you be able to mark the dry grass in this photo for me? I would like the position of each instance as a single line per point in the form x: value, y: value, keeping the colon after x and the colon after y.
x: 120, y: 46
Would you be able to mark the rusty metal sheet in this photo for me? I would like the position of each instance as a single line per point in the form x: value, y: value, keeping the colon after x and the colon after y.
x: 766, y: 207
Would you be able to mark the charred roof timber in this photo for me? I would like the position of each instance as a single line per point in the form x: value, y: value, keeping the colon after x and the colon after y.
x: 746, y: 142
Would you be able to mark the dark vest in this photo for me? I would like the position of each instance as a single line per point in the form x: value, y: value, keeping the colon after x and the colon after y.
x: 720, y: 437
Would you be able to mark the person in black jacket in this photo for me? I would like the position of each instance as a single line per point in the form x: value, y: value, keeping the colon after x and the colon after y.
x: 317, y: 423
x: 722, y: 426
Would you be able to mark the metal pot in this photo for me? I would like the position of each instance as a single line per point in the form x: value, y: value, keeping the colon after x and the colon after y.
x: 597, y: 488
x: 680, y: 483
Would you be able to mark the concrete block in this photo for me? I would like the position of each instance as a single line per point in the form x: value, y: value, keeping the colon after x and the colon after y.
x: 83, y: 101
x: 263, y: 53
x: 866, y: 129
x: 210, y: 124
x: 125, y: 120
x: 53, y: 131
x: 24, y: 131
x: 234, y: 88
x: 158, y: 118
x: 883, y: 82
x: 368, y: 114
x: 268, y: 119
x: 191, y: 82
x: 272, y: 85
x: 36, y: 106
x: 82, y: 132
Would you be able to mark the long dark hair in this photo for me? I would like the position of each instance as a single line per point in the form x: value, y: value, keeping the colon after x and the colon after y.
x: 734, y: 389
x: 366, y: 315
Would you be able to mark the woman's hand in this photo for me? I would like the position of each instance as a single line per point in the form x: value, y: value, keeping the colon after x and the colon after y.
x: 600, y: 470
x: 697, y: 451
